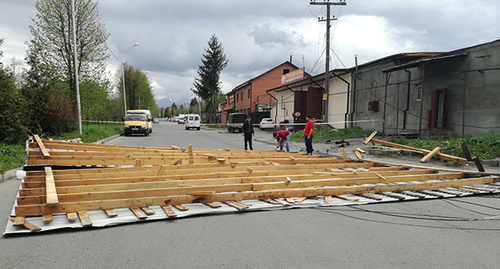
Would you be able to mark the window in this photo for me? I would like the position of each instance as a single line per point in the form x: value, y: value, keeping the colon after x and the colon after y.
x: 286, y: 71
x: 236, y: 97
x: 241, y: 95
x: 248, y: 93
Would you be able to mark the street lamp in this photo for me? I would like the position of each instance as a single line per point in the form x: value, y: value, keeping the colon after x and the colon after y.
x: 123, y: 78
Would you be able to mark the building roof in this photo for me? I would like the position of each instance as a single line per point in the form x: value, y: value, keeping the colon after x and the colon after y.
x: 310, y: 80
x: 248, y: 82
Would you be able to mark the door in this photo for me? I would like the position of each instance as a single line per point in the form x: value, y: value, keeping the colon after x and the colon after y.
x: 437, y: 117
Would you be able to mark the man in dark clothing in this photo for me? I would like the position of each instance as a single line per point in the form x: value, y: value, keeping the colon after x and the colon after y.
x: 248, y: 132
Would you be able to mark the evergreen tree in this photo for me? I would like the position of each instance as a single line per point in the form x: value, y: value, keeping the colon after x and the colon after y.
x: 207, y: 86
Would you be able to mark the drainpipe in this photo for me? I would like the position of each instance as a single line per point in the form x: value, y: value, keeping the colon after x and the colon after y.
x: 385, y: 101
x: 405, y: 114
x: 354, y: 84
x: 463, y: 104
x: 421, y: 102
x: 276, y: 116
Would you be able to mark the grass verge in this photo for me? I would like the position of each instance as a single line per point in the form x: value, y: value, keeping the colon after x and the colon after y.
x: 92, y: 132
x: 11, y: 156
x: 484, y: 147
x: 333, y: 134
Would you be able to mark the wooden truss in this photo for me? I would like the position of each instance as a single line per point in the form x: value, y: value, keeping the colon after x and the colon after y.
x: 108, y: 177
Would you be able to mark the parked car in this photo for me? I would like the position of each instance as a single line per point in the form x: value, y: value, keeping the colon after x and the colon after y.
x: 156, y: 121
x: 193, y: 121
x: 267, y: 123
x: 235, y: 122
x: 181, y: 120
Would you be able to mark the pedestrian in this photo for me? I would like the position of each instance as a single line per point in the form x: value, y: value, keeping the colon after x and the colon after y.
x: 308, y: 134
x: 282, y: 137
x: 248, y: 132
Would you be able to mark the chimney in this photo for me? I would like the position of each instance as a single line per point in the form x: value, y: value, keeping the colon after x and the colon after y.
x: 290, y: 58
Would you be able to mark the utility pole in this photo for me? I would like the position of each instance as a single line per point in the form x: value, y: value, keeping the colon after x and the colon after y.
x: 326, y: 90
x: 78, y: 104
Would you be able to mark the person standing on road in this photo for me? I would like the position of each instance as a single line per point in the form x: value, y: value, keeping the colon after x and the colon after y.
x: 308, y: 134
x: 282, y: 137
x: 248, y: 132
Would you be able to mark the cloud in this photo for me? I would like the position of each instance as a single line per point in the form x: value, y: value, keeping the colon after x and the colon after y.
x: 259, y: 35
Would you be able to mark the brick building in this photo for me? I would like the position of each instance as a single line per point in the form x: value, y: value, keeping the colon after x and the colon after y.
x: 251, y: 97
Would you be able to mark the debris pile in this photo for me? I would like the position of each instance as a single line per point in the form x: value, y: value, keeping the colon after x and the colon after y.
x: 73, y: 179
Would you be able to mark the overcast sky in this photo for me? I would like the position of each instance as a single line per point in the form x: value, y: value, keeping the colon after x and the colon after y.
x: 258, y: 35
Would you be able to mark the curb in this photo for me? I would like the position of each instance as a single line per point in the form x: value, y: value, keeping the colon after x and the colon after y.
x: 10, y: 174
x: 107, y: 139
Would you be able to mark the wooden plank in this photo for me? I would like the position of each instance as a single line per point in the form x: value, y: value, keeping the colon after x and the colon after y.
x: 290, y: 200
x: 478, y: 164
x: 41, y: 146
x: 281, y: 201
x: 138, y: 212
x: 84, y: 218
x: 358, y: 155
x: 430, y: 155
x: 328, y: 198
x: 169, y: 211
x: 47, y: 218
x: 369, y: 138
x: 28, y: 225
x: 344, y: 197
x: 344, y: 155
x: 235, y: 205
x: 422, y: 151
x: 50, y: 188
x: 300, y: 199
x: 72, y: 216
x: 111, y: 213
x: 148, y: 210
x: 40, y: 209
x: 450, y: 192
x: 181, y: 207
x: 19, y: 221
x: 369, y: 196
x: 212, y: 205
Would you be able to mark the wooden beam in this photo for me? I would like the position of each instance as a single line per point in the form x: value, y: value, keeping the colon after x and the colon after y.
x: 42, y: 209
x: 41, y: 146
x: 84, y: 218
x: 370, y: 138
x: 344, y: 155
x: 50, y: 188
x: 72, y: 216
x: 169, y: 211
x: 28, y: 225
x: 111, y: 213
x: 430, y: 155
x: 138, y: 213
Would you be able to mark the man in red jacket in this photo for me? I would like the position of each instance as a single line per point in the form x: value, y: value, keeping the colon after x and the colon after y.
x: 308, y: 134
x: 282, y: 137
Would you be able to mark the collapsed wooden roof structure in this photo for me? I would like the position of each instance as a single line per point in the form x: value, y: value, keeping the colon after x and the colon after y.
x: 74, y: 178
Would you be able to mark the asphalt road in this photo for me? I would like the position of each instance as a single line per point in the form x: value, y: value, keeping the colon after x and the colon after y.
x: 441, y: 233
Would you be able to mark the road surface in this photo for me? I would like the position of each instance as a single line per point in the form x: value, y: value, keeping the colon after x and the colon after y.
x: 440, y: 233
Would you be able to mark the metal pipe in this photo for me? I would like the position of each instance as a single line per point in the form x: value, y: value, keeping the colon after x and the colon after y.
x: 407, y: 100
x: 421, y: 101
x: 463, y: 104
x: 387, y: 75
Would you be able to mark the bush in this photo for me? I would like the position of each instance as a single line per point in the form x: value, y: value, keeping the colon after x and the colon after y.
x: 11, y: 156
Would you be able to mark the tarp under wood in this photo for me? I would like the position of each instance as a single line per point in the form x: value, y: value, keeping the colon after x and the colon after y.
x: 210, y: 181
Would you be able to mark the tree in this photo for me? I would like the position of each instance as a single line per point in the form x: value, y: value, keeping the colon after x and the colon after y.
x: 13, y: 130
x: 207, y: 86
x: 138, y: 90
x: 53, y: 39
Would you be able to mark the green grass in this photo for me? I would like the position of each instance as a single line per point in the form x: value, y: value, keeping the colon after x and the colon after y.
x: 11, y: 156
x: 484, y: 147
x: 92, y: 132
x: 216, y: 126
x: 334, y: 134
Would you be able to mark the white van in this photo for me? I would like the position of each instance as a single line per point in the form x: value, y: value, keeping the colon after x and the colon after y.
x: 192, y: 121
